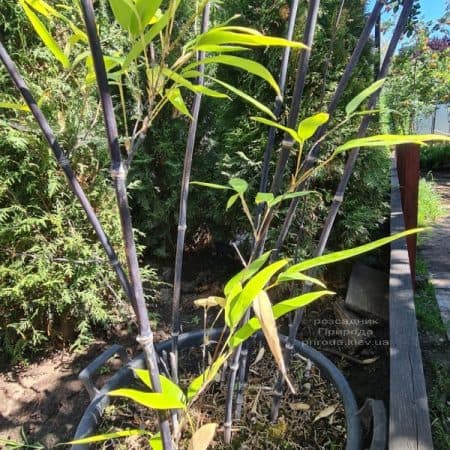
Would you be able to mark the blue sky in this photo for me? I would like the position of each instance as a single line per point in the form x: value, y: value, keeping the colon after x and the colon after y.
x: 432, y: 9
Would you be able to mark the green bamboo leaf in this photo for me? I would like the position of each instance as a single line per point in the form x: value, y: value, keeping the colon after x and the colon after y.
x: 174, y: 96
x: 219, y: 36
x: 205, y: 378
x: 156, y: 442
x: 142, y: 43
x: 248, y: 65
x: 45, y: 36
x: 245, y: 96
x: 146, y: 9
x: 123, y: 11
x: 15, y: 106
x: 279, y: 310
x: 264, y: 197
x: 350, y: 253
x: 246, y: 273
x: 299, y: 276
x: 271, y: 123
x: 238, y: 184
x: 236, y: 307
x: 168, y: 387
x: 383, y: 140
x: 290, y: 195
x: 193, y: 87
x: 107, y: 436
x: 210, y: 185
x: 307, y: 127
x: 43, y: 8
x: 353, y: 105
x: 232, y: 200
x: 221, y: 48
x: 153, y: 400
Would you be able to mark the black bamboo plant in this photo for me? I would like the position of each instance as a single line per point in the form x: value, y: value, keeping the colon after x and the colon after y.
x: 170, y: 64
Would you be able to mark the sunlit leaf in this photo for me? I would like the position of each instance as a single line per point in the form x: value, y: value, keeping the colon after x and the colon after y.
x: 146, y: 10
x: 236, y: 307
x: 123, y: 11
x: 45, y: 36
x: 289, y: 196
x: 271, y: 123
x: 353, y: 105
x: 211, y: 185
x: 168, y: 387
x: 238, y: 184
x: 383, y: 140
x: 203, y: 437
x: 153, y: 400
x: 156, y: 442
x: 350, y: 253
x: 263, y: 312
x: 248, y: 65
x: 264, y: 197
x: 245, y: 96
x: 232, y: 200
x: 221, y: 48
x: 210, y: 301
x: 279, y: 310
x: 299, y: 276
x: 309, y: 126
x: 107, y: 436
x: 15, y: 106
x: 205, y: 378
x: 174, y: 96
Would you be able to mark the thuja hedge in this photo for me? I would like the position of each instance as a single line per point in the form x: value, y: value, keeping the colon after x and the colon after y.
x: 56, y: 285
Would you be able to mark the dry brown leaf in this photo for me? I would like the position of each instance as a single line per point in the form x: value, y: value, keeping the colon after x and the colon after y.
x: 264, y: 313
x: 325, y: 413
x: 203, y: 437
x: 259, y: 356
x: 209, y: 302
x: 299, y: 406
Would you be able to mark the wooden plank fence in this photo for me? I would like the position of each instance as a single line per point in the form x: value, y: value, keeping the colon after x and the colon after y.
x: 409, y: 422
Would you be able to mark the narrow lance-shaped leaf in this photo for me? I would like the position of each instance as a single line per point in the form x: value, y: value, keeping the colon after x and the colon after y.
x: 350, y: 253
x: 353, y: 105
x: 210, y: 301
x: 145, y: 9
x: 45, y: 36
x: 263, y: 311
x: 289, y: 196
x: 299, y: 276
x: 153, y: 400
x: 389, y: 140
x: 205, y: 378
x: 271, y: 123
x: 174, y: 96
x: 279, y: 310
x: 123, y: 11
x: 14, y: 106
x: 235, y: 308
x: 245, y: 96
x: 107, y: 436
x: 248, y: 65
x: 168, y: 387
x: 211, y: 185
x: 156, y: 442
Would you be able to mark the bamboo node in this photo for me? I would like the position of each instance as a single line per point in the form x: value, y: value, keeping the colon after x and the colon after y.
x: 339, y: 198
x: 287, y: 143
x: 63, y: 161
x: 145, y: 340
x: 119, y: 173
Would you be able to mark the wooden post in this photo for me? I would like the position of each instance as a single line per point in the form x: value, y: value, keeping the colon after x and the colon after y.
x: 408, y: 168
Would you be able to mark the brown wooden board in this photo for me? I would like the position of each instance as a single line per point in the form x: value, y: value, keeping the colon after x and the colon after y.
x: 409, y: 422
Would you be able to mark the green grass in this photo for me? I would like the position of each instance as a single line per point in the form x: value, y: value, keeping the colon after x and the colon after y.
x: 431, y: 206
x: 427, y: 310
x: 439, y: 400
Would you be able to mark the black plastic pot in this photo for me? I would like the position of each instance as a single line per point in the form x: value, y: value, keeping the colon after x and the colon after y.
x: 124, y: 377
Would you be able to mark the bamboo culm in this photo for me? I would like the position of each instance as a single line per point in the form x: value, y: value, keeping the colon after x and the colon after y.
x: 118, y: 174
x: 64, y: 163
x: 188, y: 155
x: 340, y: 191
x: 312, y: 154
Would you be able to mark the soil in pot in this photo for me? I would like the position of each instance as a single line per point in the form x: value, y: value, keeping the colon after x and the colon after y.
x: 313, y: 418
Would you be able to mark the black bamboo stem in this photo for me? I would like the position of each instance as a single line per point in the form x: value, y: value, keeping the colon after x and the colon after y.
x: 288, y: 143
x: 311, y: 157
x: 118, y: 174
x: 189, y: 152
x: 64, y: 163
x: 280, y: 98
x: 340, y: 191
